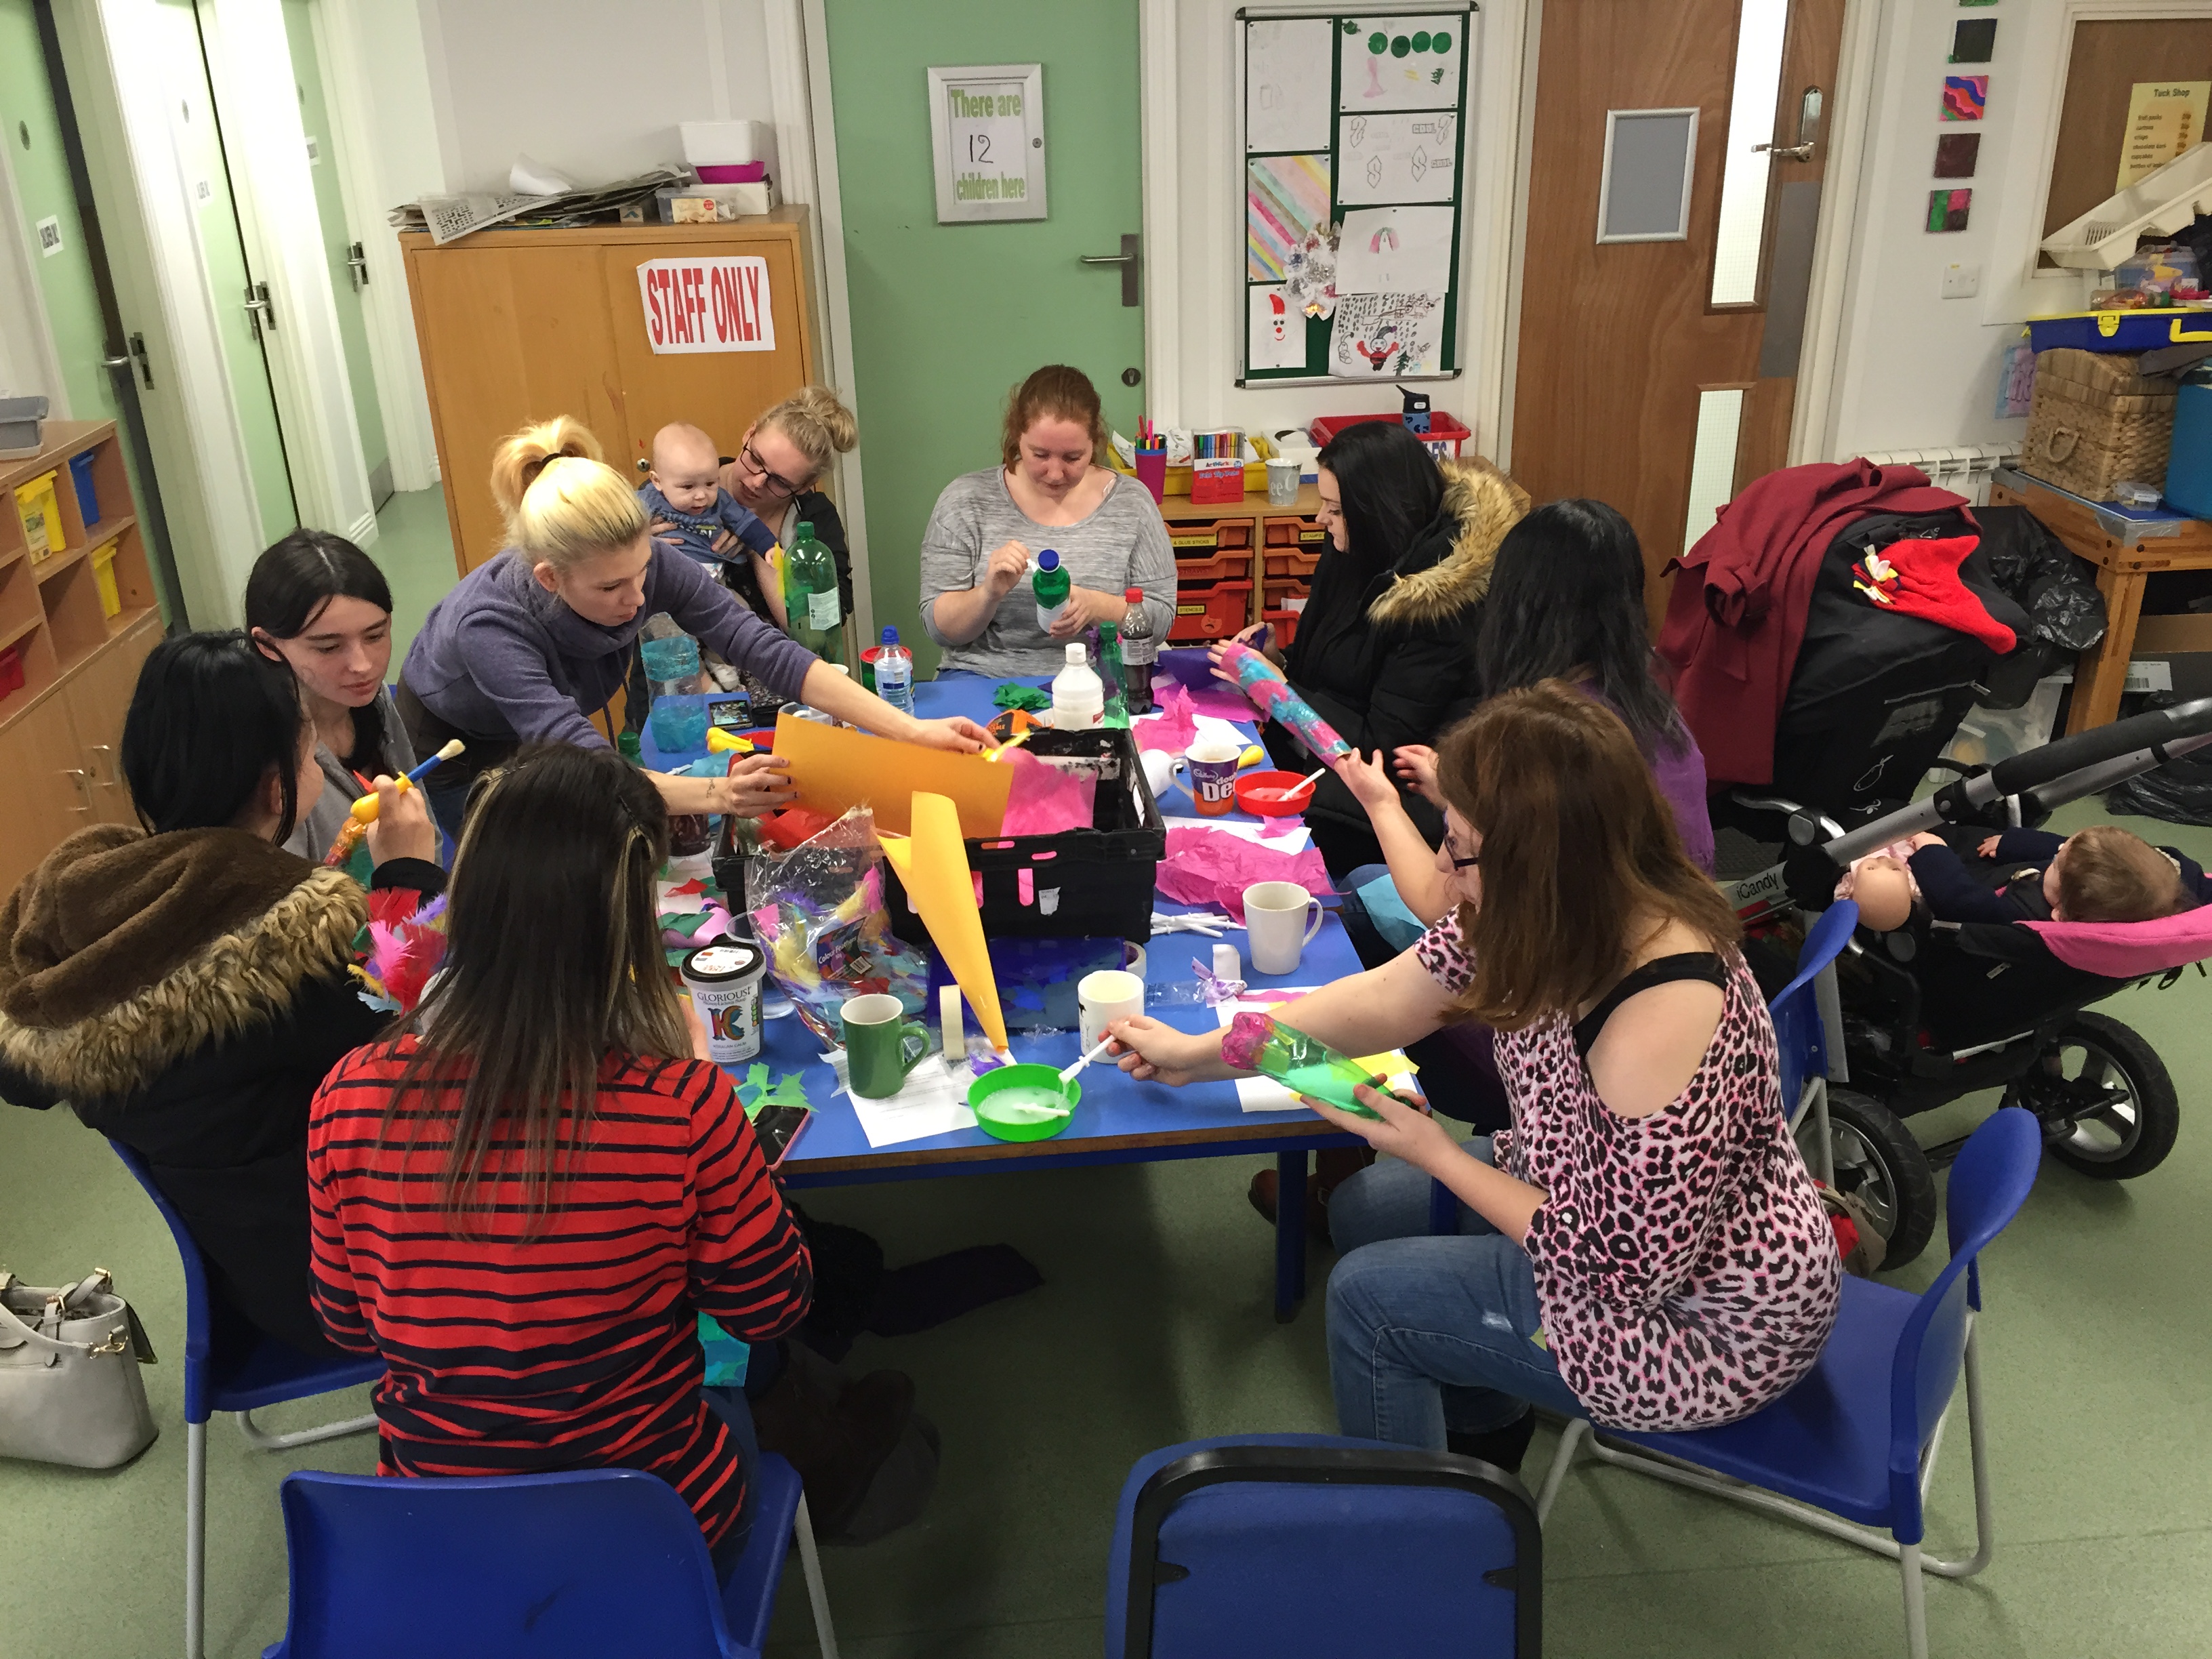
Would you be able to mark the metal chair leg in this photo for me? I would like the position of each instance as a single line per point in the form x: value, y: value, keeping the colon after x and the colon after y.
x: 1562, y: 1461
x: 261, y: 1440
x: 1916, y: 1602
x: 810, y: 1563
x: 1821, y: 1138
x: 195, y: 1539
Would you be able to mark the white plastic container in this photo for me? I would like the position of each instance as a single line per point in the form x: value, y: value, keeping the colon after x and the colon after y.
x: 1079, y: 697
x: 724, y: 982
x: 723, y: 143
x: 2160, y: 202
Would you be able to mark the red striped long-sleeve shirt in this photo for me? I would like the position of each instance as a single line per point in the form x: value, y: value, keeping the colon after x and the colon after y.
x: 578, y: 1348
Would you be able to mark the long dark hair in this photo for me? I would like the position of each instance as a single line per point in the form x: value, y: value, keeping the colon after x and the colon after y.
x: 291, y: 583
x: 1391, y: 488
x: 1579, y: 849
x: 1566, y: 592
x: 553, y: 958
x: 210, y: 719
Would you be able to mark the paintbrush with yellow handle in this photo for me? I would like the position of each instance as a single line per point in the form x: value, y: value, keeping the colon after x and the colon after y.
x: 364, y: 809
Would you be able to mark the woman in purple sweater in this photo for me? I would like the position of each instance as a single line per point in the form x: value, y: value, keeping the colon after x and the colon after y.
x: 533, y: 645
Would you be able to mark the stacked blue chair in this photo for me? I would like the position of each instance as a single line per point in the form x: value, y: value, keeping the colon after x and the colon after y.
x: 1851, y: 1449
x: 1292, y: 1545
x: 268, y: 1374
x: 590, y: 1563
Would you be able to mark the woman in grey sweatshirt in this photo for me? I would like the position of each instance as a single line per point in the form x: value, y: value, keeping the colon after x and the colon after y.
x: 535, y: 642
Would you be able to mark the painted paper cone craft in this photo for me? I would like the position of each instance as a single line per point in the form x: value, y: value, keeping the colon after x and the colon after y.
x: 837, y: 769
x: 933, y: 864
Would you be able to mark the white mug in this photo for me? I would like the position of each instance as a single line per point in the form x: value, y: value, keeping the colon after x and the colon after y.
x: 1104, y: 997
x: 1279, y: 918
x: 1159, y: 772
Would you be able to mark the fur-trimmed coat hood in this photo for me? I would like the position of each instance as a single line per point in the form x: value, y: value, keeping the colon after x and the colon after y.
x: 125, y: 952
x: 1436, y: 579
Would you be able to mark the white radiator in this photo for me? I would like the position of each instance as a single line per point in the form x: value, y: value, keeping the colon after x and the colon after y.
x: 1964, y: 469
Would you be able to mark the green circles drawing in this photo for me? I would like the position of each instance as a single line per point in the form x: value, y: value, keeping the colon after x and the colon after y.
x: 1400, y: 47
x: 1421, y: 40
x: 1377, y: 45
x: 1440, y: 43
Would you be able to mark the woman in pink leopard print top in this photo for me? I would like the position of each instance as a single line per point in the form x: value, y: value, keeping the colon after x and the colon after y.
x: 1644, y: 1247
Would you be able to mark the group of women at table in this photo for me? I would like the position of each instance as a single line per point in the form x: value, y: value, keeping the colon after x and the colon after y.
x: 539, y: 1144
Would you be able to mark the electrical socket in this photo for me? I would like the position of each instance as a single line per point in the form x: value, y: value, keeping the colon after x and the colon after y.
x: 1961, y: 281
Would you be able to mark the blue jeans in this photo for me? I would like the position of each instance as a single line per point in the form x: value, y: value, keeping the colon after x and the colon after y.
x: 448, y: 796
x: 1430, y: 1335
x: 729, y: 1405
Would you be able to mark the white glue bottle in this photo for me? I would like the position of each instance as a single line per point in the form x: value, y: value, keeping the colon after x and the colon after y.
x: 1079, y: 696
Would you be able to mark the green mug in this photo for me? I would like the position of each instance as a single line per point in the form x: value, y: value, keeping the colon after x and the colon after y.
x: 880, y: 1048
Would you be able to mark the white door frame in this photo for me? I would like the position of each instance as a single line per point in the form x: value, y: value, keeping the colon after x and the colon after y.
x: 342, y: 29
x: 249, y: 65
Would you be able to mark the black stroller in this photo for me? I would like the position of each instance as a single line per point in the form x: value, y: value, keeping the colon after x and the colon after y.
x: 1933, y: 1010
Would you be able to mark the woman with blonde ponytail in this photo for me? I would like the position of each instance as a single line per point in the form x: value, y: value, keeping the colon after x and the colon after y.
x: 533, y: 644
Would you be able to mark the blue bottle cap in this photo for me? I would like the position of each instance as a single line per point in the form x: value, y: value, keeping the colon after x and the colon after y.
x: 891, y: 635
x: 1047, y: 560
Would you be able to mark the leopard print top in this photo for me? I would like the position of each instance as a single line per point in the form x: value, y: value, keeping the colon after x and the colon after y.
x: 1686, y: 1270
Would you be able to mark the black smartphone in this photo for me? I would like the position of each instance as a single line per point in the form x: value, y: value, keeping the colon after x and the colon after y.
x: 734, y: 712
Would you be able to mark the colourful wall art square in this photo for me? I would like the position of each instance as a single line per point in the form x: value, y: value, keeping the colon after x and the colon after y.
x: 1965, y: 97
x: 1973, y: 40
x: 1956, y: 155
x: 1948, y: 208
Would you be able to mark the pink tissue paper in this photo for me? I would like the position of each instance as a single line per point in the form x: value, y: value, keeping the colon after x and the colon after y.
x: 1173, y: 731
x: 1210, y: 867
x: 1044, y: 800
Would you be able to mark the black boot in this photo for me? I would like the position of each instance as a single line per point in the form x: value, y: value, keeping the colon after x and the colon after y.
x: 1503, y: 1447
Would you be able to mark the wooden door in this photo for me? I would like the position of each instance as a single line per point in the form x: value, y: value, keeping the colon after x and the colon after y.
x: 98, y: 696
x: 50, y: 790
x: 1629, y: 354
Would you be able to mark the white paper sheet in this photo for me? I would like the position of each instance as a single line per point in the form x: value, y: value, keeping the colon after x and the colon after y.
x: 1286, y: 84
x: 1396, y: 249
x: 1271, y: 836
x: 1397, y: 158
x: 1403, y: 63
x: 1286, y: 202
x: 1275, y: 328
x: 930, y: 1104
x: 1382, y: 336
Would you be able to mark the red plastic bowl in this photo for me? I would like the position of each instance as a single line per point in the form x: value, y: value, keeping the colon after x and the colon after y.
x: 1251, y: 800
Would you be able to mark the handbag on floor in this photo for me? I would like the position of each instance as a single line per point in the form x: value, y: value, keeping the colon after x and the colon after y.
x: 69, y: 1388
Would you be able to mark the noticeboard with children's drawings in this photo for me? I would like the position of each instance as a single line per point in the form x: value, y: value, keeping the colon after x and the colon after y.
x: 1353, y: 154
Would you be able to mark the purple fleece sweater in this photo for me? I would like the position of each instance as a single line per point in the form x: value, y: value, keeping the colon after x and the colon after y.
x: 502, y: 658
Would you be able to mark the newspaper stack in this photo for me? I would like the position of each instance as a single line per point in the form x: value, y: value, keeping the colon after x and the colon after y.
x: 448, y: 218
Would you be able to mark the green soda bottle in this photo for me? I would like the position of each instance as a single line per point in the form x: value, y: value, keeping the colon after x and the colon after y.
x: 1110, y: 672
x: 810, y: 601
x: 1303, y: 1065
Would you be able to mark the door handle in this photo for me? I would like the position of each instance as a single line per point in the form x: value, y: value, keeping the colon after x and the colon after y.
x: 357, y: 263
x: 84, y: 787
x: 1787, y: 152
x: 258, y: 309
x: 114, y: 778
x: 1131, y: 260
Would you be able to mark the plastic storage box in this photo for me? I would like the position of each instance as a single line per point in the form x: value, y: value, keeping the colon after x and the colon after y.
x: 103, y: 578
x: 2120, y: 331
x: 39, y: 506
x: 19, y: 418
x: 1081, y: 884
x: 2189, y: 464
x: 1443, y: 438
x: 2161, y: 203
x: 87, y: 493
x: 1210, y: 613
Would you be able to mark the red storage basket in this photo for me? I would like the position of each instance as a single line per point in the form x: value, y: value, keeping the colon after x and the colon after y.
x: 1444, y: 435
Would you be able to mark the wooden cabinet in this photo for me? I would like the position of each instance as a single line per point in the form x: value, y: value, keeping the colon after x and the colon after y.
x: 520, y: 325
x: 76, y: 622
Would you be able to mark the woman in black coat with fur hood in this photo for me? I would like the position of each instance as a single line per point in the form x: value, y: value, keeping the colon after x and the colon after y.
x: 185, y: 986
x: 1384, y: 650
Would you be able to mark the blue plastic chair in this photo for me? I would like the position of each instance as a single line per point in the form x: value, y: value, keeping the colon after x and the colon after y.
x: 1309, y: 1544
x: 1800, y: 1030
x: 267, y: 1373
x: 1852, y: 1448
x: 588, y: 1564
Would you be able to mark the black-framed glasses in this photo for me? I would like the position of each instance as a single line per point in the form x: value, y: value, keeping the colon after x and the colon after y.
x: 1458, y: 862
x: 773, y: 483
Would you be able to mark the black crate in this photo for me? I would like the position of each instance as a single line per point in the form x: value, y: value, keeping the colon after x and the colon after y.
x: 1083, y: 883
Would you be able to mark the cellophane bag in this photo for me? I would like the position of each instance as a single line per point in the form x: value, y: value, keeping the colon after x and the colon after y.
x: 818, y: 912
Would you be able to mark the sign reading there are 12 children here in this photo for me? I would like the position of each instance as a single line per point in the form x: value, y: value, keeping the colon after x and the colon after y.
x: 708, y: 304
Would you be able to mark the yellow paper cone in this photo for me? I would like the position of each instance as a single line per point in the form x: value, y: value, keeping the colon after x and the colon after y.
x: 932, y: 863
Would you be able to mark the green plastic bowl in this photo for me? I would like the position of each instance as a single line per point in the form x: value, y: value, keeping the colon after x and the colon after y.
x: 1021, y: 1128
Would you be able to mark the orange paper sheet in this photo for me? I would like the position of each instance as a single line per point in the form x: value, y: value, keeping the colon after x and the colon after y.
x: 932, y: 865
x: 837, y: 768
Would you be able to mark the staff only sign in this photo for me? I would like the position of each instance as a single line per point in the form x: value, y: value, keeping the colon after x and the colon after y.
x: 708, y: 305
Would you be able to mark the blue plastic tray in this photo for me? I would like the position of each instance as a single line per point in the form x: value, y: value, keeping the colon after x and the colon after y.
x: 2120, y: 331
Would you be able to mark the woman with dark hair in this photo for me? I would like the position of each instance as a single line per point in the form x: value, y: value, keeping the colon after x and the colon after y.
x: 1644, y: 1247
x: 185, y: 986
x: 525, y: 1201
x: 321, y: 603
x: 1385, y: 649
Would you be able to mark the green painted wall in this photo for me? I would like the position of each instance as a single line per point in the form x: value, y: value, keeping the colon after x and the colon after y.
x: 947, y: 318
x: 330, y: 207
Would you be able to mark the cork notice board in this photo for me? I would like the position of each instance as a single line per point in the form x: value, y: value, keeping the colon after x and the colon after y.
x: 2103, y: 110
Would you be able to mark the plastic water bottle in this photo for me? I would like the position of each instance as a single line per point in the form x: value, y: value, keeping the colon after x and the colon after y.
x: 1078, y: 699
x: 811, y: 598
x: 1136, y: 640
x: 1050, y: 586
x: 894, y: 673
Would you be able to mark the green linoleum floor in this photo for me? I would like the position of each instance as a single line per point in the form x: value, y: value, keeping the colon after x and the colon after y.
x: 415, y: 546
x: 1154, y: 1325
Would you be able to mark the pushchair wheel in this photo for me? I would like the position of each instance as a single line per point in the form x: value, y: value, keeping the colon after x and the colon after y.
x: 1878, y: 1162
x: 2108, y: 1108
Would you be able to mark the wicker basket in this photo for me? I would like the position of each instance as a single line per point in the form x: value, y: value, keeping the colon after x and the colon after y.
x: 2096, y: 422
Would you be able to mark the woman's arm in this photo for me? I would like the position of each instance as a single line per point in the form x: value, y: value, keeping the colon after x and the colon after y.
x: 1415, y: 1137
x: 1425, y: 890
x: 749, y: 1268
x: 956, y: 617
x: 837, y: 694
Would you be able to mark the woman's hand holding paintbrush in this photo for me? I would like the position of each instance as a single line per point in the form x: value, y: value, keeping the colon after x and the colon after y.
x: 396, y: 818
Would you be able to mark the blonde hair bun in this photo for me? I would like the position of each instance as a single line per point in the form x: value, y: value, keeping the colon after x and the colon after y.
x: 819, y: 426
x: 563, y: 502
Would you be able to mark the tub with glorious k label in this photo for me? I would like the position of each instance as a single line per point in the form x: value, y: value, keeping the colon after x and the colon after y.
x: 724, y: 982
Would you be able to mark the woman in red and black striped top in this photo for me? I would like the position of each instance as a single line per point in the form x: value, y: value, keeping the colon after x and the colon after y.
x: 523, y: 1203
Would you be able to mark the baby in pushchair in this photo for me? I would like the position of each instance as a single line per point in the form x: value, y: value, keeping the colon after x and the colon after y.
x: 2103, y: 873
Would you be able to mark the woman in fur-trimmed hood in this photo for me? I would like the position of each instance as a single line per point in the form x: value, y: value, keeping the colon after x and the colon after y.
x: 184, y: 987
x: 1385, y: 649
